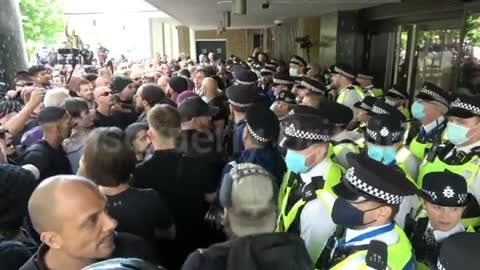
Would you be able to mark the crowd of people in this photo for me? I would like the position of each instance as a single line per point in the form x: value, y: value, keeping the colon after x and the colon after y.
x: 232, y: 164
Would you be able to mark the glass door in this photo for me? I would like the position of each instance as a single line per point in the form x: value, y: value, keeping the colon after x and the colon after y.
x: 436, y: 55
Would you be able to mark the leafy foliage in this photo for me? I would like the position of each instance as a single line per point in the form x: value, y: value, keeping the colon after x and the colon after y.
x: 472, y: 28
x: 42, y: 21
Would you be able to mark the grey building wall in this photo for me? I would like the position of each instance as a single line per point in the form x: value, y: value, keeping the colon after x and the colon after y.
x: 12, y: 46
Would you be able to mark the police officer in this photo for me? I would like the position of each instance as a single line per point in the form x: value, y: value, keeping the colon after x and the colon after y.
x: 281, y: 82
x: 284, y: 102
x: 304, y: 206
x: 397, y: 97
x: 342, y: 80
x: 259, y: 134
x: 246, y: 77
x: 384, y: 144
x: 461, y: 153
x: 342, y: 141
x: 459, y: 251
x: 368, y: 198
x: 307, y: 85
x: 240, y: 97
x: 365, y: 79
x: 267, y: 78
x: 445, y: 199
x: 298, y: 66
x: 364, y: 110
x: 429, y: 108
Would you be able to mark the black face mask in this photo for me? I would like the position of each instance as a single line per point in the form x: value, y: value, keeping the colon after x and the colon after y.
x: 347, y: 215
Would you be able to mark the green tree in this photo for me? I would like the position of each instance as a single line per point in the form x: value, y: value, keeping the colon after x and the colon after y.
x: 472, y: 28
x: 42, y: 21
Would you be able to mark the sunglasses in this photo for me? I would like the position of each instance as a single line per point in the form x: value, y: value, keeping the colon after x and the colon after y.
x: 136, y: 79
x: 105, y: 94
x: 25, y: 84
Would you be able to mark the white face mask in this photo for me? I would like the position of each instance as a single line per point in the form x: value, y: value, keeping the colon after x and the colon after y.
x: 293, y: 72
x: 273, y: 107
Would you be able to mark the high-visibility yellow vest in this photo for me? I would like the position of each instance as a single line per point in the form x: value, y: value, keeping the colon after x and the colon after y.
x: 468, y: 170
x: 399, y: 254
x: 343, y: 92
x: 286, y: 216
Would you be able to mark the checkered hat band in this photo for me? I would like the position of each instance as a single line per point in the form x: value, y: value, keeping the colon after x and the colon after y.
x: 365, y: 77
x: 384, y: 133
x: 461, y: 197
x: 255, y: 135
x: 311, y: 87
x: 465, y: 106
x: 396, y: 92
x: 301, y: 134
x: 344, y: 73
x: 286, y: 99
x: 378, y: 110
x: 266, y: 70
x: 297, y: 62
x: 440, y: 266
x: 435, y: 96
x: 240, y: 105
x: 279, y: 81
x: 365, y: 107
x: 244, y: 83
x: 372, y: 191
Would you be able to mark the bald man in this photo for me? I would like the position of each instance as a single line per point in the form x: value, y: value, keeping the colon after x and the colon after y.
x: 136, y: 77
x: 102, y: 82
x: 69, y: 213
x: 163, y: 83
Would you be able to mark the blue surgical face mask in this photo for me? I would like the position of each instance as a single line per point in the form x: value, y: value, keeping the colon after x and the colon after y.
x: 293, y: 72
x: 418, y: 110
x: 296, y: 162
x: 384, y: 154
x: 456, y: 133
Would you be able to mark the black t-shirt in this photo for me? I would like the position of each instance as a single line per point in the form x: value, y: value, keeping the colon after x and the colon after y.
x: 126, y: 246
x: 139, y: 211
x: 224, y: 112
x: 114, y: 120
x: 13, y: 254
x: 49, y: 161
x: 183, y: 181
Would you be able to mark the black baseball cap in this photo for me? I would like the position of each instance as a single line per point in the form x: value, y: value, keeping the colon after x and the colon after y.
x: 195, y: 107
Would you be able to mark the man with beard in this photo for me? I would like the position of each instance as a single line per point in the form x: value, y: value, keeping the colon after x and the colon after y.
x: 85, y: 91
x: 47, y: 154
x: 175, y: 87
x: 136, y: 77
x: 146, y: 97
x: 75, y: 239
x: 42, y: 76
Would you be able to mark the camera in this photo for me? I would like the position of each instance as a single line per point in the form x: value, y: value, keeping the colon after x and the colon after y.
x: 278, y: 22
x: 68, y: 56
x: 305, y: 42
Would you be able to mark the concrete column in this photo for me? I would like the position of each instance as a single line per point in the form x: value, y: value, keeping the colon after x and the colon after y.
x: 13, y: 56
